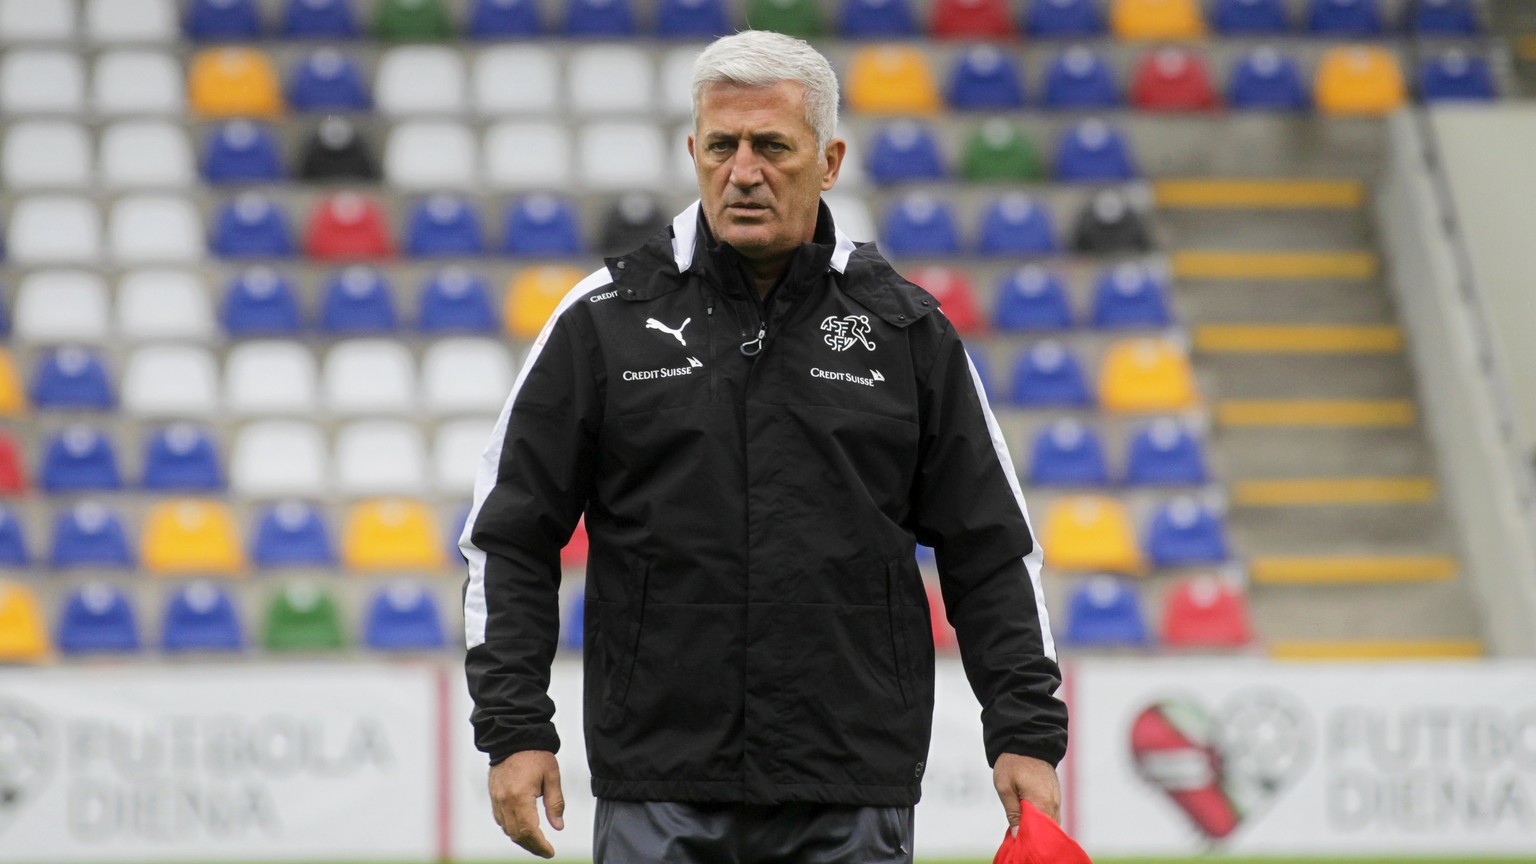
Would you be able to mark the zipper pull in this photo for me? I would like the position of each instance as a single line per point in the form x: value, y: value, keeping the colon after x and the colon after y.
x: 709, y: 306
x: 754, y: 347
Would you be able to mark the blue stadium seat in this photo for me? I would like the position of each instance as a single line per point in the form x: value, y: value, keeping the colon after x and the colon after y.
x: 201, y: 617
x: 985, y: 79
x: 1443, y: 17
x: 252, y: 226
x: 98, y: 619
x: 1185, y: 532
x: 454, y: 300
x: 1352, y: 18
x: 182, y: 457
x: 71, y: 378
x: 925, y: 556
x: 1249, y: 17
x: 542, y: 226
x: 292, y: 534
x: 920, y: 224
x: 1165, y: 453
x: 983, y: 368
x: 1093, y: 151
x: 403, y: 617
x: 1105, y: 612
x: 595, y: 19
x: 1032, y: 298
x: 877, y: 19
x: 327, y: 80
x: 80, y: 459
x: 89, y: 535
x: 260, y: 301
x: 440, y: 225
x: 1068, y: 453
x: 5, y: 308
x: 1455, y: 75
x: 13, y: 541
x: 503, y: 19
x: 1267, y: 79
x: 575, y: 623
x: 692, y: 19
x: 1047, y: 373
x: 1016, y: 224
x: 1064, y: 18
x: 319, y: 19
x: 1078, y: 79
x: 223, y: 20
x: 904, y: 151
x: 358, y: 300
x: 1129, y: 295
x: 240, y: 151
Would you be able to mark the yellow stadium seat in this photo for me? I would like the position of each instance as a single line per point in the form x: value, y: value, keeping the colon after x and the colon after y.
x: 23, y: 634
x: 891, y: 79
x: 391, y: 534
x: 1359, y: 79
x: 533, y: 296
x: 191, y: 535
x: 234, y: 82
x: 1141, y: 375
x: 1157, y: 19
x: 1093, y: 533
x: 13, y: 398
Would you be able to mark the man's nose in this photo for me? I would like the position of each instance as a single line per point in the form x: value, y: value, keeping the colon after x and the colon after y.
x: 746, y: 167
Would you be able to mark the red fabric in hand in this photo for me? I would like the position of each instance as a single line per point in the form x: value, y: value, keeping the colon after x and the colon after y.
x: 1039, y: 841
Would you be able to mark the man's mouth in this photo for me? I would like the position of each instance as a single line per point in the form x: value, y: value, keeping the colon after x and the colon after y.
x: 747, y: 208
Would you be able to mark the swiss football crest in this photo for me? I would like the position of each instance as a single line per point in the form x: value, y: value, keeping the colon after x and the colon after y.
x: 845, y: 332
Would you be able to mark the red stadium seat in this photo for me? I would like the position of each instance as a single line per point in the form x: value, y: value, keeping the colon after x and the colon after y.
x: 957, y: 300
x: 347, y: 226
x: 971, y: 19
x: 1206, y: 612
x: 575, y: 552
x: 13, y: 476
x: 943, y: 634
x: 1173, y: 79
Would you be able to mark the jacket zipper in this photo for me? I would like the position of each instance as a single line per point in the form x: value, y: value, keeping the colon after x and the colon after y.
x: 709, y: 328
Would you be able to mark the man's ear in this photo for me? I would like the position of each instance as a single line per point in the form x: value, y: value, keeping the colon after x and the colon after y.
x: 837, y: 148
x: 690, y: 149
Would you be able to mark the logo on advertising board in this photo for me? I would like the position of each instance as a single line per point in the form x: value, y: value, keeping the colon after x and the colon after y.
x: 26, y: 757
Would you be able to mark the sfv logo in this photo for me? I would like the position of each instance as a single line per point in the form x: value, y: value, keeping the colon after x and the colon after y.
x: 653, y: 324
x: 845, y: 332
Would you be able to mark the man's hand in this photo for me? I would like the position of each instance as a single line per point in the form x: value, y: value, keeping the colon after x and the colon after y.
x: 515, y: 784
x: 1025, y: 778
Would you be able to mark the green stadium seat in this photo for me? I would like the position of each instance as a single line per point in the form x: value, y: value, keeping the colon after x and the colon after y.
x: 998, y: 151
x: 412, y: 21
x: 303, y: 617
x: 799, y: 18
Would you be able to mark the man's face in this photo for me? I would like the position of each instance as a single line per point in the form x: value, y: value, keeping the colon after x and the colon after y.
x: 760, y: 172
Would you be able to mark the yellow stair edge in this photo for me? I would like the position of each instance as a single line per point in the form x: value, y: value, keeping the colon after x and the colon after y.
x: 1298, y: 339
x: 1350, y: 569
x: 1223, y: 264
x: 1260, y: 194
x: 1323, y: 491
x: 1316, y: 412
x: 1376, y: 649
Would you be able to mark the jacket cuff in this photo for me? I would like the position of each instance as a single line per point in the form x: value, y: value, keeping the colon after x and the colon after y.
x: 500, y: 742
x: 1049, y: 748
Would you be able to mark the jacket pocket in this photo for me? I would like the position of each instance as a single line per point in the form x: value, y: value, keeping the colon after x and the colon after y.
x: 625, y: 635
x: 900, y: 651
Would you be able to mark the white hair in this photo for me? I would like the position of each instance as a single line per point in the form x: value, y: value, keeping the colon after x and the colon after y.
x: 762, y: 58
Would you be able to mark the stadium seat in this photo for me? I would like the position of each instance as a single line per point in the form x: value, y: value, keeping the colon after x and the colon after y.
x: 292, y: 534
x: 71, y: 379
x: 630, y: 222
x: 675, y: 85
x: 621, y: 156
x: 131, y: 21
x: 166, y: 379
x: 1206, y: 612
x: 88, y: 535
x: 46, y: 154
x: 430, y: 155
x: 1048, y: 373
x: 380, y: 457
x: 53, y: 229
x: 456, y: 453
x: 240, y: 151
x: 1146, y: 375
x: 1016, y: 224
x: 252, y: 226
x: 1105, y: 612
x: 528, y: 156
x: 156, y: 229
x: 98, y: 619
x: 944, y: 639
x: 61, y: 306
x: 1093, y: 151
x: 876, y: 19
x: 998, y: 152
x: 532, y: 66
x: 891, y: 79
x: 533, y: 295
x: 163, y: 304
x: 223, y: 20
x: 302, y: 617
x: 370, y: 376
x: 392, y: 535
x: 971, y: 19
x: 358, y: 300
x: 454, y: 300
x: 574, y: 636
x: 276, y: 377
x: 278, y: 459
x: 1052, y: 19
x: 233, y: 82
x: 1129, y: 295
x: 146, y: 154
x: 412, y: 21
x: 1068, y: 453
x: 1352, y: 18
x: 13, y: 398
x: 347, y: 226
x: 599, y: 19
x: 503, y: 19
x: 137, y: 83
x: 79, y: 458
x: 919, y: 225
x: 465, y: 376
x: 1173, y: 79
x: 905, y: 151
x: 201, y: 618
x: 14, y: 551
x: 1249, y: 17
x: 259, y: 301
x: 318, y: 19
x: 1078, y: 79
x: 574, y: 552
x: 181, y: 458
x: 335, y: 150
x: 1455, y: 75
x: 403, y: 617
x: 1359, y: 80
x: 1108, y: 224
x: 542, y: 226
x: 1443, y: 17
x: 693, y: 19
x: 420, y: 79
x: 13, y: 475
x: 37, y: 21
x: 1165, y: 453
x: 42, y: 82
x: 1032, y: 298
x: 1266, y: 79
x: 1184, y: 533
x: 23, y: 630
x: 802, y: 19
x: 1156, y: 19
x: 1091, y: 533
x: 442, y: 226
x: 327, y: 80
x: 190, y: 535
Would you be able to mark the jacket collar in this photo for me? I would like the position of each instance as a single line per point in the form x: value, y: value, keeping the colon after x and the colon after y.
x: 685, y: 238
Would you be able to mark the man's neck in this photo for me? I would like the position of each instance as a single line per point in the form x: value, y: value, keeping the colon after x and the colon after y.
x: 765, y: 272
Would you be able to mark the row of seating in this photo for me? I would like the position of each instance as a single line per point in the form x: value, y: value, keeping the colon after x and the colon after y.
x: 1199, y: 612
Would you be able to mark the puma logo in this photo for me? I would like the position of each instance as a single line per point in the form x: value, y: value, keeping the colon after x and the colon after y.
x: 653, y: 324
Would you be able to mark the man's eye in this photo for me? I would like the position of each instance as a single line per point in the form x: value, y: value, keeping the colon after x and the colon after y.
x: 719, y: 146
x: 777, y: 146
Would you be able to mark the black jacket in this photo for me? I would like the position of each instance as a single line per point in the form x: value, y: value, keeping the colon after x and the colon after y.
x: 756, y: 626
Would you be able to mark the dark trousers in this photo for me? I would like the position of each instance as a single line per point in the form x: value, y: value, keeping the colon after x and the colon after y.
x: 670, y: 832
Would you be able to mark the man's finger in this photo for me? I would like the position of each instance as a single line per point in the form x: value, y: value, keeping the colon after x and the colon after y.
x: 1010, y: 798
x: 525, y: 827
x: 554, y: 801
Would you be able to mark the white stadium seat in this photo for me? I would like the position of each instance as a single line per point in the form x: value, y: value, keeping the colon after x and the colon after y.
x: 419, y: 79
x: 46, y: 154
x: 851, y: 174
x: 54, y: 230
x: 677, y: 81
x: 520, y: 80
x: 850, y: 213
x: 466, y: 376
x: 619, y: 156
x: 170, y: 381
x: 456, y: 450
x: 41, y: 82
x: 37, y: 20
x: 131, y: 21
x: 611, y: 79
x: 279, y: 459
x: 369, y: 376
x: 138, y: 82
x: 431, y: 155
x: 164, y: 304
x: 271, y: 377
x: 381, y: 457
x: 147, y: 154
x: 535, y: 155
x: 55, y: 306
x: 153, y: 229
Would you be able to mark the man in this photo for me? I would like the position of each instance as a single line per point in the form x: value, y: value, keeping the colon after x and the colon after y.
x: 758, y: 418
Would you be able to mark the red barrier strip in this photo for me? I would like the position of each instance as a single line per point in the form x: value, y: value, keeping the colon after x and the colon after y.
x: 1069, y: 811
x: 444, y: 768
